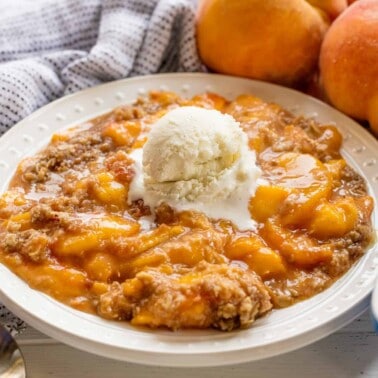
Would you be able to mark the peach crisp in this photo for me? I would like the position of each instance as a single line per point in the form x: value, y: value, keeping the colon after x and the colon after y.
x: 68, y: 228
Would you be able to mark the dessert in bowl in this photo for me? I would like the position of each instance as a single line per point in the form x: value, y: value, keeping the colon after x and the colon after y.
x: 186, y: 213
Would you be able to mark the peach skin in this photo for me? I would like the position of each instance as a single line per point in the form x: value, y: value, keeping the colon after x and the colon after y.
x: 267, y: 40
x: 331, y: 7
x: 349, y: 62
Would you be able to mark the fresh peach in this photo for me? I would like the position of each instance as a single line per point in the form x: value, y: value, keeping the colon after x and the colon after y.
x: 331, y: 7
x: 349, y: 62
x: 271, y: 40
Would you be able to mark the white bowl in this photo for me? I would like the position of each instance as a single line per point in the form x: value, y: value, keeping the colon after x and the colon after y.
x: 374, y: 306
x: 278, y: 332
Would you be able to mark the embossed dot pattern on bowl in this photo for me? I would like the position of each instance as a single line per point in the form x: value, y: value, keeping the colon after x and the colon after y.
x: 3, y: 165
x: 14, y: 151
x: 78, y: 109
x: 370, y: 162
x: 27, y: 138
x: 359, y: 149
x: 42, y: 127
x: 98, y: 101
x: 60, y: 117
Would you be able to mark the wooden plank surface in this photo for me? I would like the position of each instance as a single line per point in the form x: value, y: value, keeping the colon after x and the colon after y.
x: 351, y: 352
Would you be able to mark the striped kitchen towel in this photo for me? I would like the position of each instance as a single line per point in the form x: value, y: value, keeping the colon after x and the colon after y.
x: 51, y: 48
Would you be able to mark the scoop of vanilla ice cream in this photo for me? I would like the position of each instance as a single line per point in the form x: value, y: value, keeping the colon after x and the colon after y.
x: 189, y: 149
x: 191, y: 143
x: 197, y: 159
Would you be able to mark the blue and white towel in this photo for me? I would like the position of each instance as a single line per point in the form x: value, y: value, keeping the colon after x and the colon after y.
x: 51, y: 48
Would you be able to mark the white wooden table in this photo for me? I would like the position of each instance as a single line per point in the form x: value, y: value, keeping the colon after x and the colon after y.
x: 350, y: 352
